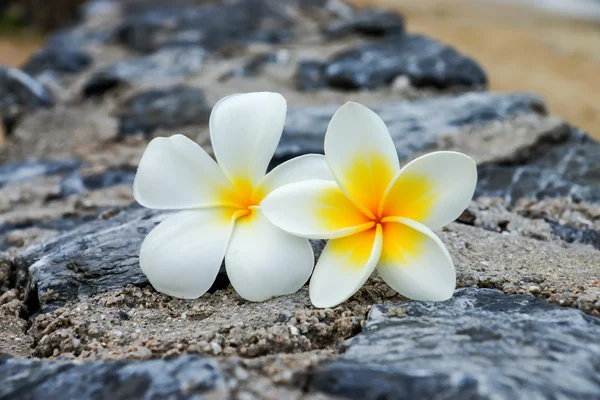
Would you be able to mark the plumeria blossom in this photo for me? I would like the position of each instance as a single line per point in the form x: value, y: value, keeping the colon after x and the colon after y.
x: 221, y: 216
x: 376, y: 214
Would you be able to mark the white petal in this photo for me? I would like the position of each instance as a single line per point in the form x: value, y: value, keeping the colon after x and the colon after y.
x: 433, y: 189
x: 182, y: 256
x: 263, y: 261
x: 302, y: 168
x: 245, y: 130
x: 176, y: 173
x: 344, y: 266
x: 361, y: 154
x: 314, y: 209
x: 415, y: 262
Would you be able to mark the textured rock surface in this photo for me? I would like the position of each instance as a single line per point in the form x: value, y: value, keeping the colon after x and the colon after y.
x: 477, y: 345
x: 368, y: 22
x: 183, y: 377
x: 20, y: 93
x: 164, y: 65
x: 564, y: 170
x: 415, y: 126
x: 15, y: 172
x: 56, y: 59
x: 174, y: 107
x: 426, y: 62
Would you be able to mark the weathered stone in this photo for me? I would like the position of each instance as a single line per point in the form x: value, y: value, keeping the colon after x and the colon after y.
x: 415, y: 126
x: 76, y: 183
x: 17, y: 172
x: 20, y: 93
x: 255, y: 65
x: 368, y: 22
x: 479, y: 344
x: 57, y: 59
x: 149, y: 27
x: 164, y: 65
x: 426, y: 62
x: 175, y: 107
x: 310, y: 75
x: 181, y: 377
x: 563, y: 170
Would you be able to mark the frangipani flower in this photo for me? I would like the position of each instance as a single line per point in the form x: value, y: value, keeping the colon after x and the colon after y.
x: 376, y: 214
x: 222, y: 217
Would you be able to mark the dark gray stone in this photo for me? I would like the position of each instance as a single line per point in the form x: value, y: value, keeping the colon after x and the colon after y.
x: 574, y: 234
x: 254, y: 66
x: 368, y: 22
x: 18, y: 172
x: 90, y: 258
x: 76, y: 183
x: 426, y: 62
x: 20, y: 93
x: 481, y: 344
x: 182, y: 377
x: 415, y: 126
x: 564, y: 169
x: 148, y: 27
x: 164, y: 65
x: 310, y: 75
x: 175, y: 107
x: 57, y: 59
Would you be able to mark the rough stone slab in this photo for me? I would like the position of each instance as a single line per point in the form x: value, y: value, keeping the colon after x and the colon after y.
x: 481, y: 344
x: 162, y: 66
x: 368, y: 22
x: 425, y: 61
x: 415, y: 126
x: 18, y: 172
x: 182, y: 377
x: 170, y: 108
x: 93, y: 257
x: 563, y: 170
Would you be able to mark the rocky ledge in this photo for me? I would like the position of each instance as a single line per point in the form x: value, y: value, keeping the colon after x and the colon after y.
x: 78, y: 318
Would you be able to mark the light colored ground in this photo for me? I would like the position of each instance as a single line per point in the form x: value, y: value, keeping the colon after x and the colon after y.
x: 521, y: 50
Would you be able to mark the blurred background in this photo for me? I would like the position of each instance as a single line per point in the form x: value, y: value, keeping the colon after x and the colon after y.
x: 549, y: 47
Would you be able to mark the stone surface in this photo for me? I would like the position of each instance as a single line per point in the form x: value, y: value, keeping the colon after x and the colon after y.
x: 17, y: 172
x: 174, y: 107
x: 416, y: 126
x: 478, y: 345
x: 162, y: 66
x: 149, y: 28
x: 20, y: 93
x: 183, y: 377
x: 564, y: 170
x: 426, y: 62
x: 57, y: 59
x: 369, y: 22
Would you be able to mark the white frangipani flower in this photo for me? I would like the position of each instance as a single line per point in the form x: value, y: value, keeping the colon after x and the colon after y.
x: 376, y: 214
x: 222, y: 217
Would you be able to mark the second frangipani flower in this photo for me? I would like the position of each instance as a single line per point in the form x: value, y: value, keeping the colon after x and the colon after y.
x: 222, y: 217
x: 376, y: 214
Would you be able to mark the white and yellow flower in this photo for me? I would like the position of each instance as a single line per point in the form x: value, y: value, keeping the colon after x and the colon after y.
x: 376, y: 214
x: 222, y: 217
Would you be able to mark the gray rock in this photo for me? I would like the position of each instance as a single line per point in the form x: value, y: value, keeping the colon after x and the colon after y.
x: 426, y: 62
x: 562, y: 170
x: 18, y: 172
x: 76, y: 183
x: 310, y: 75
x: 255, y: 65
x: 57, y: 59
x: 20, y: 93
x: 367, y: 22
x: 164, y: 65
x: 177, y: 378
x: 148, y: 27
x: 481, y: 344
x: 415, y: 126
x: 174, y: 107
